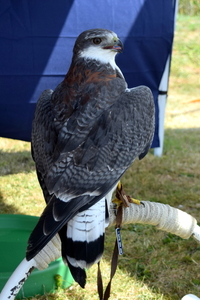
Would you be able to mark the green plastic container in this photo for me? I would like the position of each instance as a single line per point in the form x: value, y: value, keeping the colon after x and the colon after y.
x: 14, y: 233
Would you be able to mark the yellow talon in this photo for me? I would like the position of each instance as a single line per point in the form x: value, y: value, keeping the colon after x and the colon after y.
x: 119, y: 185
x: 118, y: 202
x: 138, y: 202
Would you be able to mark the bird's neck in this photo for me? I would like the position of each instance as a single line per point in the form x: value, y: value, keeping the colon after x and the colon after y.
x: 83, y: 71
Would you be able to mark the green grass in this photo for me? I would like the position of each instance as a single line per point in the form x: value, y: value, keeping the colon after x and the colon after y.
x: 189, y: 7
x: 186, y: 57
x: 155, y: 265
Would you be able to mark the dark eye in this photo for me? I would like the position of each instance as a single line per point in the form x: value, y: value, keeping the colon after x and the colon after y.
x: 96, y: 41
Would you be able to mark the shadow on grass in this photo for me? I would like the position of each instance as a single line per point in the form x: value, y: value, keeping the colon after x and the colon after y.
x: 6, y: 208
x: 16, y: 162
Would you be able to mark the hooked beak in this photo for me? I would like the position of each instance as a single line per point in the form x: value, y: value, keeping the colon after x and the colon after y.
x: 117, y: 46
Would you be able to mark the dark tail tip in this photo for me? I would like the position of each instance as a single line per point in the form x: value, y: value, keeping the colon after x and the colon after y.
x: 78, y: 274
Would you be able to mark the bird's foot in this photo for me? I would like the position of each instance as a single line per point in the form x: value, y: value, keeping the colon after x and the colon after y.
x: 122, y: 198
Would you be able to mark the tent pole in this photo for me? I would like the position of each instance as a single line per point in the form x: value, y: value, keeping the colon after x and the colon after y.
x: 162, y: 99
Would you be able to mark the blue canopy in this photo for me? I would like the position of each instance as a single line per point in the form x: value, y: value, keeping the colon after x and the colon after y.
x: 37, y: 38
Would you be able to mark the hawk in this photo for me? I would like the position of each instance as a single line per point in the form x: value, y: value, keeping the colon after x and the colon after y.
x: 85, y: 135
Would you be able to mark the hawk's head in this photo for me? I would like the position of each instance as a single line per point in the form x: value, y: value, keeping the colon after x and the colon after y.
x: 99, y: 44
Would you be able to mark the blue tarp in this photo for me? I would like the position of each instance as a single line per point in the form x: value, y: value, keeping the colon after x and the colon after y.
x: 36, y: 41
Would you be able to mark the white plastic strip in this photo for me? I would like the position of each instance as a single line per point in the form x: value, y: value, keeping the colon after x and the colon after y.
x: 190, y: 297
x: 17, y: 279
x: 196, y: 233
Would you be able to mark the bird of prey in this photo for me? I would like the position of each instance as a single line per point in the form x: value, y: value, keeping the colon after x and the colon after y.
x: 85, y: 135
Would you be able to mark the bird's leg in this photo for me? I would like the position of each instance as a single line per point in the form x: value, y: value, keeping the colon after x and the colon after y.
x: 122, y: 198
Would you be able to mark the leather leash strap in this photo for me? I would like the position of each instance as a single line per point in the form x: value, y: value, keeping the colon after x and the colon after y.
x: 114, y: 262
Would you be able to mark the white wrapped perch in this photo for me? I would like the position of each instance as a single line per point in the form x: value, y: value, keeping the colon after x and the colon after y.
x: 163, y: 216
